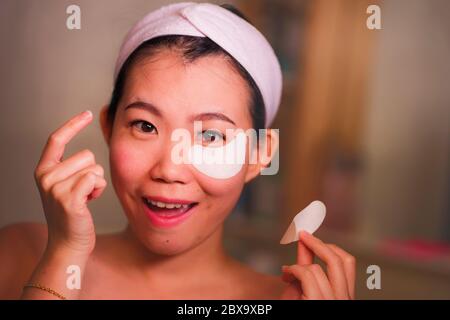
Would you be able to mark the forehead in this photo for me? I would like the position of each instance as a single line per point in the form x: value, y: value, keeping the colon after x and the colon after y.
x: 166, y: 79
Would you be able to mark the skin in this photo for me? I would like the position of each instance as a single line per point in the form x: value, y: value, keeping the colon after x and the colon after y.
x: 187, y: 261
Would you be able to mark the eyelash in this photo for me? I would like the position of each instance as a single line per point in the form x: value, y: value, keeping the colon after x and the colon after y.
x: 222, y: 136
x: 135, y: 122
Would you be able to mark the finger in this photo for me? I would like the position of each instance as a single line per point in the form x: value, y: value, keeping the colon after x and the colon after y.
x: 100, y: 186
x: 293, y: 290
x: 64, y: 190
x: 349, y: 267
x: 80, y: 161
x: 85, y: 186
x: 304, y: 255
x: 322, y: 280
x: 308, y: 282
x: 286, y: 276
x: 335, y: 266
x: 100, y: 183
x: 57, y: 141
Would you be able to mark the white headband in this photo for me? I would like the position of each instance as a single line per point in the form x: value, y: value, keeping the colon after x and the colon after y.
x: 232, y: 33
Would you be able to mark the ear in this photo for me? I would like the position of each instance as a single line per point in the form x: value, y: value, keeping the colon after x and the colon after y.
x: 263, y: 153
x: 105, y: 124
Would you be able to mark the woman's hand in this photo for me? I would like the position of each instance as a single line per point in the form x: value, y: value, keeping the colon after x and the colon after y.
x: 66, y: 187
x: 307, y: 280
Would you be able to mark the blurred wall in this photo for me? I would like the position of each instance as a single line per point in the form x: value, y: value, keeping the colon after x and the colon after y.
x: 407, y: 136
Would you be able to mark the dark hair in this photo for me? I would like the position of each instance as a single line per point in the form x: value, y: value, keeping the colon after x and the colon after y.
x: 191, y: 48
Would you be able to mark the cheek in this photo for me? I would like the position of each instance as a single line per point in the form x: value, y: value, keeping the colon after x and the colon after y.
x: 127, y: 161
x: 221, y: 188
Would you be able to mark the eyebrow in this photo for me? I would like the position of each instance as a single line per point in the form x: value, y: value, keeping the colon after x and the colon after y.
x: 146, y: 106
x: 199, y: 117
x: 212, y: 116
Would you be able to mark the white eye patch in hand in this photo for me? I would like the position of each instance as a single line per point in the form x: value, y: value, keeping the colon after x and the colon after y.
x: 309, y: 219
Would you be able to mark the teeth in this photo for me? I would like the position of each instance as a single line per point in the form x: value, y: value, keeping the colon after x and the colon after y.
x: 160, y: 204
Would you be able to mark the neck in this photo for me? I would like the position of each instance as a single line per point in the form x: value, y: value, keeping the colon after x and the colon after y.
x: 206, y: 259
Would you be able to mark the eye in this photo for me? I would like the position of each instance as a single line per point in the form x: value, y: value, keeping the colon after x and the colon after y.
x: 144, y: 126
x: 212, y: 137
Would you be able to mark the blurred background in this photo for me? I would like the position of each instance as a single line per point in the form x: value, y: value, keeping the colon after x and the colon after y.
x: 364, y: 126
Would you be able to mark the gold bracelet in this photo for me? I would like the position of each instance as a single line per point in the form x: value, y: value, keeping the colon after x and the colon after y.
x: 38, y: 286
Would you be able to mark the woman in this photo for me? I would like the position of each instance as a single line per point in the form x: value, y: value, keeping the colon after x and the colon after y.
x: 182, y: 63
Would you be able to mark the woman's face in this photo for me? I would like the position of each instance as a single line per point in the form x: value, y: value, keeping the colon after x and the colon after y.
x: 163, y: 94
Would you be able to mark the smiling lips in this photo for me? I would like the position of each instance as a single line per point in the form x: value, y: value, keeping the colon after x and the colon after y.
x: 164, y: 212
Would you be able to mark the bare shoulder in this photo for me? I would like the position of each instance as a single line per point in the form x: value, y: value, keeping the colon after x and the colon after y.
x: 21, y: 246
x: 258, y: 285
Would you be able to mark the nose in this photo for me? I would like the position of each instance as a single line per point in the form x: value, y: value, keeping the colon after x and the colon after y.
x: 165, y: 170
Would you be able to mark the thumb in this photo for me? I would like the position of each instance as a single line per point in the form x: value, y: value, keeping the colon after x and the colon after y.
x: 304, y: 255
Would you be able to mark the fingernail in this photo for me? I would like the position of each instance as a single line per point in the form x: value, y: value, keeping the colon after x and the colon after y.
x: 86, y: 114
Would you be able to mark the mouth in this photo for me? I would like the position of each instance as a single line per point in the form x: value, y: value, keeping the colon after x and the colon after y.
x: 164, y: 212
